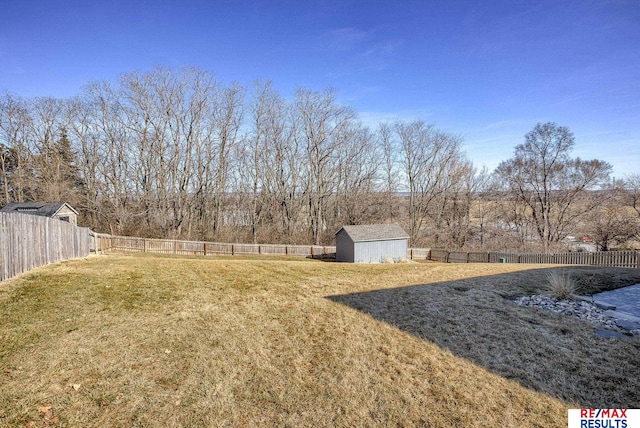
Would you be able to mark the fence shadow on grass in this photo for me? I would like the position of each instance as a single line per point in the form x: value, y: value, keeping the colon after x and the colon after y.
x: 331, y: 257
x: 477, y: 320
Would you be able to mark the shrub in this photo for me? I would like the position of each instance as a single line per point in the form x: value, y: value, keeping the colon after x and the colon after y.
x: 561, y: 285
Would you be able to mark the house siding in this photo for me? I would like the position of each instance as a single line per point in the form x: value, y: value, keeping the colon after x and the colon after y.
x: 371, y: 243
x: 66, y: 212
x: 57, y: 210
x: 379, y: 251
x: 344, y: 247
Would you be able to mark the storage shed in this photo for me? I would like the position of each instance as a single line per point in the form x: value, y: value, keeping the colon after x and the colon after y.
x: 59, y: 210
x: 372, y: 243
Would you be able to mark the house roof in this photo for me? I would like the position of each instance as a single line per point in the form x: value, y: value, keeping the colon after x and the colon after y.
x: 45, y: 209
x: 374, y: 232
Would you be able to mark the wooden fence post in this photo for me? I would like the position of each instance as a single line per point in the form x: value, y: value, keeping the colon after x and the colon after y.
x: 205, y: 249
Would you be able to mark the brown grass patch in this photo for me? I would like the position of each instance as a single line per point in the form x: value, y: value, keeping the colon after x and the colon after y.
x: 165, y: 341
x: 560, y: 284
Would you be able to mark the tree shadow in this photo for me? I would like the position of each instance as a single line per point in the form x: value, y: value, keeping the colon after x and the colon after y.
x: 476, y: 319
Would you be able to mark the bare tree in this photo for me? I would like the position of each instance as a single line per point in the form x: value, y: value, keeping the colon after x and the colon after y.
x: 250, y: 158
x: 171, y: 153
x: 551, y: 185
x: 283, y: 162
x: 611, y: 225
x: 632, y: 187
x: 391, y: 172
x: 106, y: 143
x: 47, y: 123
x: 452, y: 211
x: 429, y: 158
x: 484, y: 206
x: 178, y: 122
x: 227, y: 118
x: 7, y: 167
x: 357, y: 170
x: 320, y: 130
x: 82, y: 130
x: 17, y: 149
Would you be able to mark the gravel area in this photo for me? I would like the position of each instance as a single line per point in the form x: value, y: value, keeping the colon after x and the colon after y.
x: 581, y: 309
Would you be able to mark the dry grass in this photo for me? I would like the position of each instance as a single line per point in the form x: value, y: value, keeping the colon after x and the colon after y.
x: 561, y: 284
x: 167, y: 341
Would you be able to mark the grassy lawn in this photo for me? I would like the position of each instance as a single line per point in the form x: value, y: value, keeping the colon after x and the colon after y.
x: 137, y: 341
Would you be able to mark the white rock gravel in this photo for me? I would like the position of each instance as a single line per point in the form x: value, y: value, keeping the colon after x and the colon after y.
x: 581, y: 309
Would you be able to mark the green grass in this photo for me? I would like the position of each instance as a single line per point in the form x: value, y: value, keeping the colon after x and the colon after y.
x: 123, y: 340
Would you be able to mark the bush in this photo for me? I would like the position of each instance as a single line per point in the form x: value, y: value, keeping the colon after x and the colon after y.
x: 561, y: 285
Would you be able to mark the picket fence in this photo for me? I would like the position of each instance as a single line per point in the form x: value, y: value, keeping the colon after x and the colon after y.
x: 29, y: 241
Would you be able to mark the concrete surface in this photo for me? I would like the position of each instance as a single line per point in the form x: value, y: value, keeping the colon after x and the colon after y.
x: 626, y: 299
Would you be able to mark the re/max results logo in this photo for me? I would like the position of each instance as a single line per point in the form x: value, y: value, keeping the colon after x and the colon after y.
x: 604, y: 418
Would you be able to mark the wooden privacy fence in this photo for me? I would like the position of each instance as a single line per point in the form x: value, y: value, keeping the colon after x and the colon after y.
x: 166, y: 246
x: 29, y: 241
x: 630, y: 259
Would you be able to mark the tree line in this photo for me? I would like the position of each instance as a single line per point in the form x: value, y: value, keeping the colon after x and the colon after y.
x: 178, y: 154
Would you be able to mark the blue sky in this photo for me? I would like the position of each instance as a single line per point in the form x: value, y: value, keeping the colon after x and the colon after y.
x: 488, y: 70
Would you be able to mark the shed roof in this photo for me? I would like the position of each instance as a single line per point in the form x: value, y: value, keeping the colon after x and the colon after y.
x: 374, y: 232
x: 45, y: 209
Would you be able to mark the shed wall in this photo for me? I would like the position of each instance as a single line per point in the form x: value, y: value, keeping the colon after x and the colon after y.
x: 379, y: 251
x: 66, y: 212
x: 344, y: 247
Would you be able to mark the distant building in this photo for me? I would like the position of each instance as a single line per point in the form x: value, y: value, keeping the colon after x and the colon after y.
x: 374, y: 243
x: 58, y: 210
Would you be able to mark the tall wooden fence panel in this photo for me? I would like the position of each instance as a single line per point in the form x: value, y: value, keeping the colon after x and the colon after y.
x: 419, y: 254
x: 479, y: 257
x: 440, y: 255
x: 504, y: 258
x: 29, y: 241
